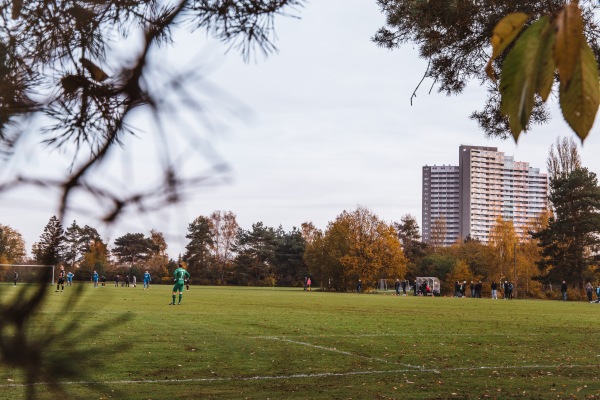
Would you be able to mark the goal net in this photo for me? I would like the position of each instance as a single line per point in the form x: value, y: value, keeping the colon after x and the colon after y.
x: 27, y: 273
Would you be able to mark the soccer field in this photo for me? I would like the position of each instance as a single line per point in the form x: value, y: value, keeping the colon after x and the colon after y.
x: 278, y: 343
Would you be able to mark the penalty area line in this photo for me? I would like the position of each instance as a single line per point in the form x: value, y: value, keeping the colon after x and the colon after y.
x: 294, y: 376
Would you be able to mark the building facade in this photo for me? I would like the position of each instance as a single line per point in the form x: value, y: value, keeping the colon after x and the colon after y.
x: 488, y: 184
x: 440, y: 204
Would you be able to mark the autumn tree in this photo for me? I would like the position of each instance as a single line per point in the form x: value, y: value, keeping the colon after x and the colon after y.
x: 94, y: 259
x: 158, y: 260
x: 563, y: 158
x: 503, y: 240
x: 12, y: 246
x: 357, y: 245
x: 437, y: 237
x: 529, y: 254
x: 224, y: 229
x: 459, y: 273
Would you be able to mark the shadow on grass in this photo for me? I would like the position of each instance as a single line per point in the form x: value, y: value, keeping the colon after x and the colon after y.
x: 36, y: 346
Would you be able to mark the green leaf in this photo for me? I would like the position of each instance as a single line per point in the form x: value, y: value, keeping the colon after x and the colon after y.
x: 580, y: 97
x: 505, y: 31
x: 519, y: 78
x: 546, y: 65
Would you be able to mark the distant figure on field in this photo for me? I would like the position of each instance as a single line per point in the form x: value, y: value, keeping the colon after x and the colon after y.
x: 510, y: 290
x: 478, y: 289
x: 308, y: 283
x: 126, y: 280
x: 563, y: 290
x: 397, y: 287
x: 589, y: 290
x: 103, y: 280
x: 15, y: 278
x: 472, y: 287
x: 95, y: 279
x: 117, y: 280
x: 179, y: 276
x: 494, y: 287
x: 359, y: 286
x: 61, y: 279
x: 463, y: 289
x: 404, y: 288
x: 134, y: 281
x: 146, y: 280
x: 505, y: 289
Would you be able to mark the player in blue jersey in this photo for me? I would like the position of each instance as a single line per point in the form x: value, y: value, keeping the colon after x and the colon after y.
x: 95, y: 279
x: 146, y: 280
x: 70, y: 276
x: 179, y: 277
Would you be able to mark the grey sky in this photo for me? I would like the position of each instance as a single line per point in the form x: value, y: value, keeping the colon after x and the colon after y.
x: 321, y: 127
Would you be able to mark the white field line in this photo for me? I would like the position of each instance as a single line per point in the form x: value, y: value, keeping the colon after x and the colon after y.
x: 334, y: 350
x: 477, y: 334
x: 297, y: 376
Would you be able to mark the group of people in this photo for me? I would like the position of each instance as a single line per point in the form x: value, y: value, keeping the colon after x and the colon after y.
x: 398, y: 285
x: 460, y: 289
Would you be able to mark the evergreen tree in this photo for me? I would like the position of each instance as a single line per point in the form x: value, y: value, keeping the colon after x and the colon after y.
x: 571, y: 241
x: 198, y: 250
x: 255, y: 255
x: 133, y: 248
x: 412, y: 246
x: 289, y: 263
x: 48, y: 251
x: 71, y: 245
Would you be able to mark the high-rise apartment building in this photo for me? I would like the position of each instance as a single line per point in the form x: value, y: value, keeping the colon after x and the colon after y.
x: 486, y: 184
x: 441, y: 202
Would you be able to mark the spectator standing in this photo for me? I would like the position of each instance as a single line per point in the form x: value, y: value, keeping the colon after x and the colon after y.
x: 563, y: 290
x: 494, y: 290
x: 589, y: 289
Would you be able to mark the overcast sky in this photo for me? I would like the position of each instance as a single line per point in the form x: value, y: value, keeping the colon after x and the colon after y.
x: 323, y: 126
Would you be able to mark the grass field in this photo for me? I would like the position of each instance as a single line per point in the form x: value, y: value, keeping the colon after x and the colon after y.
x: 274, y: 343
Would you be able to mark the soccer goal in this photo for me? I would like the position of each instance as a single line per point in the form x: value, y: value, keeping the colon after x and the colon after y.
x: 25, y: 273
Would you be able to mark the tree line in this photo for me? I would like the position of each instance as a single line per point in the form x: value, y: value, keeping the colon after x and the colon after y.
x: 562, y: 243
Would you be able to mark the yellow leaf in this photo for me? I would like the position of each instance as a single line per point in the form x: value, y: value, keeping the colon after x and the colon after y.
x: 504, y: 33
x: 569, y: 36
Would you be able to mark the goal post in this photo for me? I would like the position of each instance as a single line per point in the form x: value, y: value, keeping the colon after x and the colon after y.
x: 27, y: 272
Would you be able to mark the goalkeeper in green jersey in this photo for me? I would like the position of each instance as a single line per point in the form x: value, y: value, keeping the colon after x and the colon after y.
x: 179, y: 277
